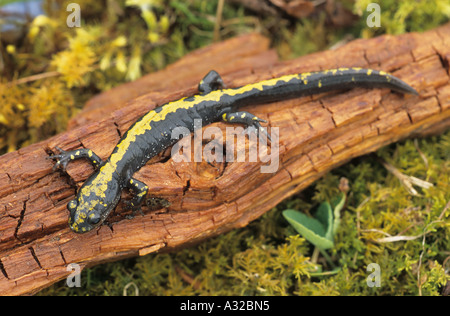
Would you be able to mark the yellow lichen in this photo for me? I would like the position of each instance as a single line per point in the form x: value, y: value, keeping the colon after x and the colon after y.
x: 78, y: 60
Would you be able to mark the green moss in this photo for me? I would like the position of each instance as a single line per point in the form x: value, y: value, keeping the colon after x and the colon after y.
x: 269, y: 258
x: 403, y: 16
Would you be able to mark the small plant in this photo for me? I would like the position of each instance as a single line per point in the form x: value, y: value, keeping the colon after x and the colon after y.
x: 321, y: 229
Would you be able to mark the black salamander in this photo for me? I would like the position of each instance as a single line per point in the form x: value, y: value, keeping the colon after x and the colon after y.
x: 151, y: 134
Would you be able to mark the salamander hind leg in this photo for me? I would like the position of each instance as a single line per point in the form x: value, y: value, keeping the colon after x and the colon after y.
x: 212, y: 81
x: 246, y: 118
x: 140, y: 189
x: 64, y: 157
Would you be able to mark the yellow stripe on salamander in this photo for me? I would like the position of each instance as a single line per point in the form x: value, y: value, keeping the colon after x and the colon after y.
x: 99, y: 185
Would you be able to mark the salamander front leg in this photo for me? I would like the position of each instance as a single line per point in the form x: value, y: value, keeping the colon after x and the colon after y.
x: 141, y: 190
x: 246, y: 118
x: 212, y: 81
x: 66, y: 156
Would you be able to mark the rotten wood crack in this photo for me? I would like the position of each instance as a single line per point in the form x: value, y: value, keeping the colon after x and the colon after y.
x: 2, y: 268
x: 33, y: 254
x: 20, y: 220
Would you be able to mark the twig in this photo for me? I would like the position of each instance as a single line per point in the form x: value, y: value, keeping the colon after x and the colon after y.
x: 125, y: 289
x: 407, y: 181
x: 35, y: 77
x: 219, y: 11
x: 358, y: 215
x: 187, y: 277
x: 422, y: 155
x: 390, y: 238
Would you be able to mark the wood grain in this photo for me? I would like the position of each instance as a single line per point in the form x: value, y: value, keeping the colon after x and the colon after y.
x: 316, y: 134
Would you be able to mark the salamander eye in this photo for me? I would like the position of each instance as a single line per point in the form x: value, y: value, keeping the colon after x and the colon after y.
x: 72, y: 206
x: 93, y: 219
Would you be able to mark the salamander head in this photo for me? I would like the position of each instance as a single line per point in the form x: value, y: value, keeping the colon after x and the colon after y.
x: 95, y: 200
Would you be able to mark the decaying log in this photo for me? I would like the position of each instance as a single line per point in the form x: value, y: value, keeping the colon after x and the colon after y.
x: 202, y: 200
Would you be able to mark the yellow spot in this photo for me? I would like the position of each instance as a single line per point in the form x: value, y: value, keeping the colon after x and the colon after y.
x: 131, y: 181
x: 353, y: 79
x: 369, y: 72
x: 305, y: 75
x: 319, y: 84
x: 305, y: 82
x: 224, y: 117
x: 356, y: 68
x: 77, y: 152
x: 243, y: 115
x: 72, y: 157
x: 90, y: 153
x: 232, y: 118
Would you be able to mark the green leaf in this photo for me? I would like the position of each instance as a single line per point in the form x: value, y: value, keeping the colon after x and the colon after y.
x: 337, y: 204
x: 310, y: 228
x: 324, y: 215
x: 326, y: 273
x: 320, y: 230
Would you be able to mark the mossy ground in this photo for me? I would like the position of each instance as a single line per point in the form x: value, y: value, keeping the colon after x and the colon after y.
x: 268, y: 257
x: 121, y: 40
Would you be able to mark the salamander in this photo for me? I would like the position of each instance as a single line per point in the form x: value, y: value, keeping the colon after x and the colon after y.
x: 151, y: 134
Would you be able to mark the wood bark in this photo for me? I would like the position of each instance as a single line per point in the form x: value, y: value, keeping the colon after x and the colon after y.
x: 316, y: 134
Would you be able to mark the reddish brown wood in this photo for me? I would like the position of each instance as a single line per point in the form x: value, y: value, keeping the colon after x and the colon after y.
x: 237, y: 56
x: 316, y: 134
